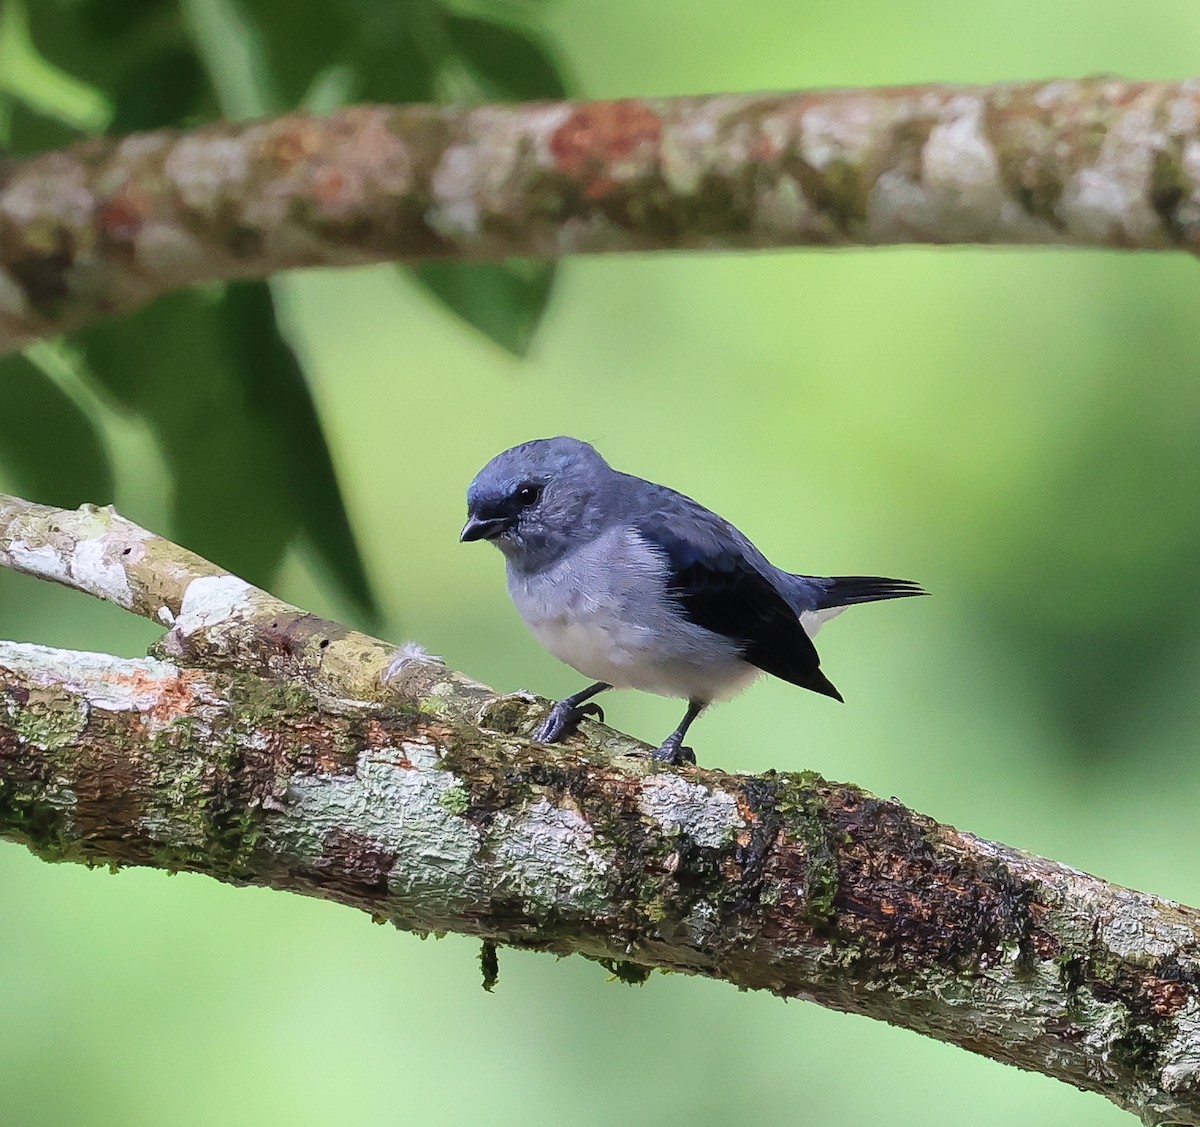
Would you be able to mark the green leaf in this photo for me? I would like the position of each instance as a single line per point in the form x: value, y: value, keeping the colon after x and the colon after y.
x: 137, y: 52
x: 208, y: 370
x: 48, y: 445
x: 299, y: 40
x: 504, y: 301
x: 174, y: 365
x: 101, y: 41
x: 111, y: 21
x: 167, y: 89
x: 390, y: 65
x: 279, y: 387
x: 511, y: 62
x: 27, y: 131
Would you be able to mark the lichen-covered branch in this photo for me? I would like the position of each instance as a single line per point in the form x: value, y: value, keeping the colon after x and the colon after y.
x: 262, y: 746
x: 112, y: 223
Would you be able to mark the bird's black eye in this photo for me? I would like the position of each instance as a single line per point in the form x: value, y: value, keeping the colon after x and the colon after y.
x: 528, y: 494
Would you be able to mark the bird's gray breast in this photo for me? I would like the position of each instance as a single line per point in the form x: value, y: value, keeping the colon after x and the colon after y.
x: 605, y: 610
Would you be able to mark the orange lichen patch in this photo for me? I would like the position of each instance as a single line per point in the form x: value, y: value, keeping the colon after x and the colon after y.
x: 312, y: 748
x: 746, y: 811
x: 296, y: 140
x: 437, y: 733
x: 1043, y: 943
x: 1165, y: 996
x: 1123, y: 93
x: 597, y: 135
x: 1045, y: 946
x: 377, y: 733
x: 764, y: 150
x: 338, y: 191
x: 121, y: 217
x: 162, y: 698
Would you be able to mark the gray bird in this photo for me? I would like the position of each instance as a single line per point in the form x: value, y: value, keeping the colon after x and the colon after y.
x: 637, y: 586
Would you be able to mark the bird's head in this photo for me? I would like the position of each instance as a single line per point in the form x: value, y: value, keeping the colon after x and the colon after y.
x: 538, y: 500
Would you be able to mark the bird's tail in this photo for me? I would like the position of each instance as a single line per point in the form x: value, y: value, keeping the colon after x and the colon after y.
x: 846, y: 590
x: 819, y: 683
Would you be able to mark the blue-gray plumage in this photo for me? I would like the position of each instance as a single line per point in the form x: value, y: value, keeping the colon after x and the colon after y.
x: 637, y: 586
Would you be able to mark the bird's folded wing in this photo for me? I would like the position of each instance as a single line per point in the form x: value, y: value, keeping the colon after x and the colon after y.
x: 717, y: 577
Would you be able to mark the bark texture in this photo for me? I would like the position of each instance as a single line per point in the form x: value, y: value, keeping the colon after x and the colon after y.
x: 265, y: 746
x: 109, y: 224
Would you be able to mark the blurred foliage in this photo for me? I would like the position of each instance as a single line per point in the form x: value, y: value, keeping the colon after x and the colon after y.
x: 209, y: 372
x: 250, y: 468
x: 39, y: 424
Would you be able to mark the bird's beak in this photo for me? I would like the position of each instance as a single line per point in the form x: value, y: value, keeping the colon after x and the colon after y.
x: 477, y: 529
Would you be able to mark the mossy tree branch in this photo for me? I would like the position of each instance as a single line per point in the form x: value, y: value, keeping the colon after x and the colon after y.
x: 265, y: 746
x: 112, y: 223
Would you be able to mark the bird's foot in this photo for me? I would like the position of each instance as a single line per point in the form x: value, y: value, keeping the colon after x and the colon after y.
x: 673, y: 752
x: 564, y: 720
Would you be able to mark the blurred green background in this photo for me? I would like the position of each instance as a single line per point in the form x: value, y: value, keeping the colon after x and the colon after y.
x: 1017, y: 429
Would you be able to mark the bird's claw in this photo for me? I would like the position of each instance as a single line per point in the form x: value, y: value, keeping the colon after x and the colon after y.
x: 674, y: 752
x: 593, y: 710
x: 564, y: 720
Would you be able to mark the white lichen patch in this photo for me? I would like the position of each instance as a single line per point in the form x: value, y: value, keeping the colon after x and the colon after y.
x: 139, y: 146
x: 684, y: 152
x: 210, y: 600
x: 1097, y: 203
x: 1188, y: 213
x: 898, y: 209
x: 166, y: 250
x: 1110, y: 198
x: 205, y: 169
x: 83, y: 550
x: 455, y: 214
x: 546, y: 856
x: 1140, y: 928
x: 397, y: 799
x: 13, y: 302
x: 781, y: 208
x: 113, y: 684
x: 489, y: 171
x: 701, y: 924
x: 841, y: 130
x: 1050, y: 94
x: 709, y: 818
x: 1102, y: 1025
x: 1179, y: 1060
x: 961, y: 173
x: 54, y: 190
x: 97, y: 570
x: 540, y: 126
x: 36, y: 559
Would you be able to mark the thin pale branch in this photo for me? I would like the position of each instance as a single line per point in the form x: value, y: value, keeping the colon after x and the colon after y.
x: 263, y: 746
x: 110, y: 224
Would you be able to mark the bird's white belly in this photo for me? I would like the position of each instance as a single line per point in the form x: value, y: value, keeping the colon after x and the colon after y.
x: 597, y: 644
x: 611, y: 623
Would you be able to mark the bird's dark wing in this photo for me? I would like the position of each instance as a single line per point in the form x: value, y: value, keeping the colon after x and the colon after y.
x: 722, y: 584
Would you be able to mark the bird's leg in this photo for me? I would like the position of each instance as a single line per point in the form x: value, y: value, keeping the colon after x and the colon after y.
x: 565, y: 716
x: 672, y: 750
